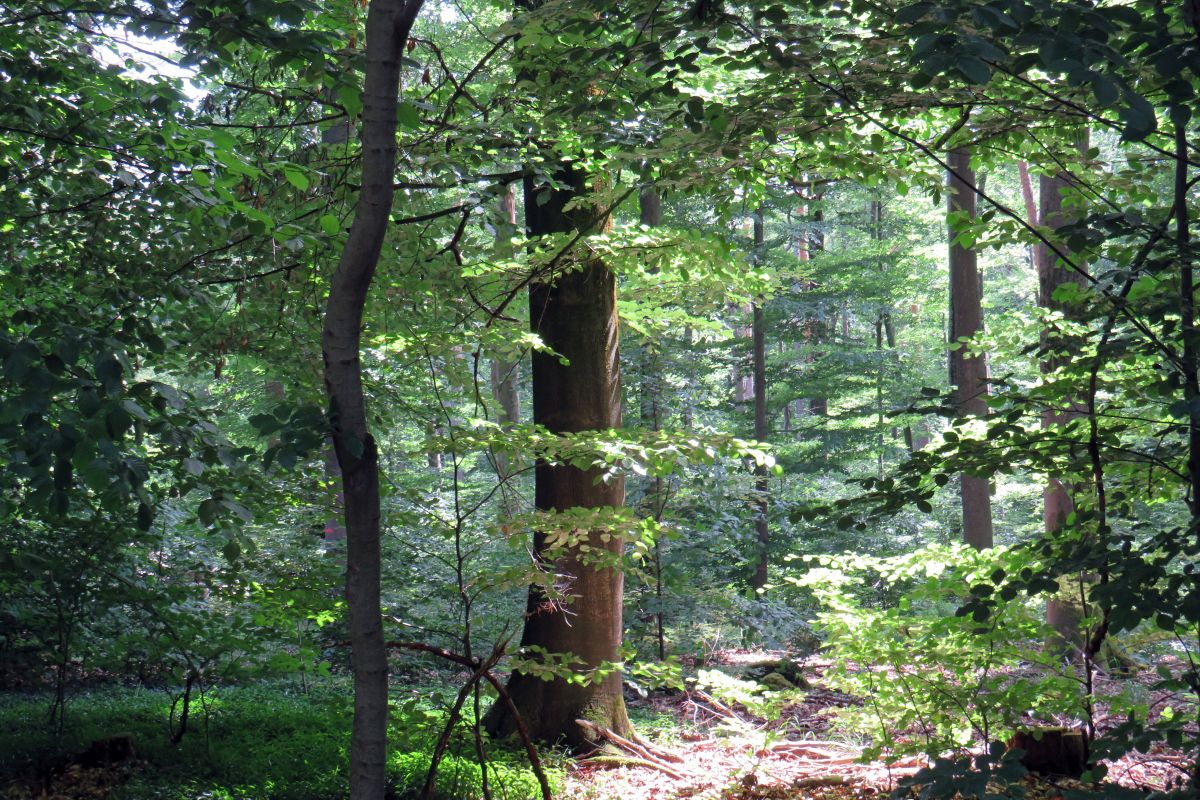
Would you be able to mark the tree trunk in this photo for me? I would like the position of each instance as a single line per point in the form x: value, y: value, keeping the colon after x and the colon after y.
x: 650, y: 214
x: 576, y: 316
x: 388, y: 25
x: 818, y: 406
x: 1063, y: 612
x: 968, y: 374
x: 505, y: 373
x: 761, y: 480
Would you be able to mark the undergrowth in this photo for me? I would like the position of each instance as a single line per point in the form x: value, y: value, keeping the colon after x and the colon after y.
x: 266, y: 741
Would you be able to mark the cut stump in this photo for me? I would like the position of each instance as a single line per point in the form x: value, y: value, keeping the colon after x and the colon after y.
x: 1052, y: 751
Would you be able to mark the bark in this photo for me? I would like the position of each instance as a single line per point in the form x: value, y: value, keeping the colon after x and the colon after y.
x: 388, y: 25
x: 576, y: 316
x: 818, y: 406
x: 761, y: 480
x: 1063, y: 613
x: 650, y: 214
x: 968, y: 374
x: 506, y: 373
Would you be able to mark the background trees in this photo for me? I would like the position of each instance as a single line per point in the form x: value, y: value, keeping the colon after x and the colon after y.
x: 169, y: 243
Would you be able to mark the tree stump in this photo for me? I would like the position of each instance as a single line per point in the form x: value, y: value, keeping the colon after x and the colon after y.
x: 1052, y: 751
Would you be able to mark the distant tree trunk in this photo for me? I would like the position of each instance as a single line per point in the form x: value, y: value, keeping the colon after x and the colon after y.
x: 506, y: 373
x: 650, y: 214
x: 1063, y: 613
x: 968, y: 374
x: 575, y: 314
x: 743, y: 383
x: 388, y: 26
x: 818, y: 406
x: 761, y: 480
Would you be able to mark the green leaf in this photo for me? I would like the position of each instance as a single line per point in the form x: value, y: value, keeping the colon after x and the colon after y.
x: 296, y: 178
x: 1104, y: 89
x: 329, y: 224
x: 976, y: 71
x: 407, y: 115
x: 208, y: 511
x: 1139, y: 118
x: 109, y: 372
x: 910, y: 14
x: 117, y: 422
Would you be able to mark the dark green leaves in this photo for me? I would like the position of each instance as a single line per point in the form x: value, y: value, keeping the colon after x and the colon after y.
x: 109, y: 372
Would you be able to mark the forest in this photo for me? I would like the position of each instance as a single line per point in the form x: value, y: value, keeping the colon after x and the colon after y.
x: 604, y: 400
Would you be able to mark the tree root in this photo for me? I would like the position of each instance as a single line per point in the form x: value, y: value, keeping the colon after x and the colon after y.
x: 631, y: 761
x: 822, y: 780
x: 644, y: 753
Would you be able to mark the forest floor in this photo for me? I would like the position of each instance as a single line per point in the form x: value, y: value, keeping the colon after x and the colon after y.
x: 721, y: 752
x: 700, y: 748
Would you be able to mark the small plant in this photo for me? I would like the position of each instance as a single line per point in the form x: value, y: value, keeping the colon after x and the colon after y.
x: 934, y: 680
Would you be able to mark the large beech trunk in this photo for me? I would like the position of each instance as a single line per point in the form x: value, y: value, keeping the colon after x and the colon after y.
x: 968, y: 373
x: 388, y: 25
x: 574, y: 312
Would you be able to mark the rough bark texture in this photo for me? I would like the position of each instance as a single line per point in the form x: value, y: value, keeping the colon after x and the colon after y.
x: 762, y: 529
x: 575, y: 315
x: 388, y: 24
x: 967, y: 373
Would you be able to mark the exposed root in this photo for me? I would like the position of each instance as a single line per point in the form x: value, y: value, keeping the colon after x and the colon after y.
x: 645, y: 753
x: 630, y: 761
x: 823, y: 780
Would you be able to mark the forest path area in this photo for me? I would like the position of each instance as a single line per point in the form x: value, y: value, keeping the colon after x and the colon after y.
x: 725, y: 752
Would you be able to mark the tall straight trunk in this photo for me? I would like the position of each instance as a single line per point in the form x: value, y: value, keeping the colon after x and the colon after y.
x: 650, y: 214
x: 388, y: 25
x: 506, y: 372
x: 1063, y: 614
x: 575, y: 314
x: 968, y: 374
x: 1052, y: 275
x: 1191, y: 358
x: 819, y: 406
x: 761, y: 480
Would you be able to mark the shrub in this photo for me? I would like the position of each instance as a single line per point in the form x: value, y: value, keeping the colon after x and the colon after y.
x: 932, y: 678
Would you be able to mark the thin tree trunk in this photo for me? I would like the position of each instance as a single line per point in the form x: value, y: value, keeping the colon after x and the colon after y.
x: 967, y: 373
x: 506, y: 373
x: 761, y: 477
x: 819, y: 406
x: 650, y: 214
x: 388, y: 25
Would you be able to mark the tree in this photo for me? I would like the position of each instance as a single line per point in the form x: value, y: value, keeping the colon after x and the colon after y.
x: 388, y: 25
x: 576, y: 386
x: 762, y: 529
x: 968, y: 372
x: 1063, y: 613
